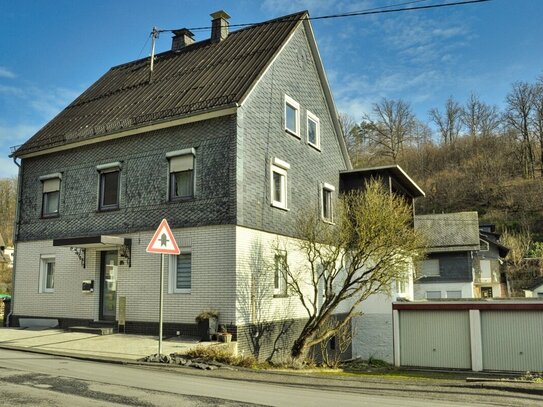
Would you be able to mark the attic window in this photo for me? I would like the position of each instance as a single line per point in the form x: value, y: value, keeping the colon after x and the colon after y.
x: 292, y: 116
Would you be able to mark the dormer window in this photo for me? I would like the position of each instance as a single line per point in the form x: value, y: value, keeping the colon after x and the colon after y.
x: 181, y: 174
x: 292, y: 116
x: 110, y: 177
x: 50, y: 195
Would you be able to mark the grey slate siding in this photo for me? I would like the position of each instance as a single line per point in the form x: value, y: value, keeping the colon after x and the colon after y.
x: 261, y: 137
x: 144, y: 183
x: 453, y: 267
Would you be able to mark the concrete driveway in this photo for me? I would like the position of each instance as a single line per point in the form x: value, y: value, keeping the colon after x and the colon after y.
x: 116, y: 346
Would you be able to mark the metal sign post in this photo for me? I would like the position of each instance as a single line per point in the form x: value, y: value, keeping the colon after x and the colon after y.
x: 162, y: 242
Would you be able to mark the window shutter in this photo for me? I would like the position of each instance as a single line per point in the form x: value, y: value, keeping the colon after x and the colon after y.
x: 181, y: 163
x: 51, y: 185
x: 182, y: 280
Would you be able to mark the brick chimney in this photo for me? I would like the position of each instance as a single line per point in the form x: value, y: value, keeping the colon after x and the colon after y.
x: 219, y: 26
x: 181, y: 38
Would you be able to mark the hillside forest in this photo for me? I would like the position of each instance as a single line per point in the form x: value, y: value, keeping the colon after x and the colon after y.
x: 466, y: 155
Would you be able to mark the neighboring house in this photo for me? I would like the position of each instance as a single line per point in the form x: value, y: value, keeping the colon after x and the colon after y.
x: 372, y: 331
x: 452, y: 243
x: 489, y: 277
x: 535, y: 290
x: 230, y: 139
x: 463, y: 260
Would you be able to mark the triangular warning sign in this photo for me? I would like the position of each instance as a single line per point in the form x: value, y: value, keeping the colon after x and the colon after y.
x: 163, y: 240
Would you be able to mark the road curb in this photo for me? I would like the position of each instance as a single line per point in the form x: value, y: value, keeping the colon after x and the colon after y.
x: 507, y: 387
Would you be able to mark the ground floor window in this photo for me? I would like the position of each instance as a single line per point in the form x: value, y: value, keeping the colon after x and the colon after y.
x: 181, y: 272
x: 47, y: 274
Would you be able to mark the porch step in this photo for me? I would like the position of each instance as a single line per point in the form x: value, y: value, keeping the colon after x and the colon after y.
x: 92, y: 330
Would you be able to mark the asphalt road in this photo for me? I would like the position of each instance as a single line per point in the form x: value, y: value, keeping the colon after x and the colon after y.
x: 42, y: 380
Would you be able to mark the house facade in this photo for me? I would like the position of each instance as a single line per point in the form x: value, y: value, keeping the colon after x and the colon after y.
x: 463, y: 260
x: 228, y: 138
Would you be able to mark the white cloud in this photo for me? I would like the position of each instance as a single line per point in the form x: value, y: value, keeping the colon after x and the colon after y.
x: 16, y: 134
x: 315, y: 6
x: 6, y: 73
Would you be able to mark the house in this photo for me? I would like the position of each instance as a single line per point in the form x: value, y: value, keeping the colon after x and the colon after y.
x: 463, y: 260
x: 535, y: 290
x: 228, y: 138
x: 490, y: 279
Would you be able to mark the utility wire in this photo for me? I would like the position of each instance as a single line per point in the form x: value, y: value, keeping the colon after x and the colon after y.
x: 378, y: 10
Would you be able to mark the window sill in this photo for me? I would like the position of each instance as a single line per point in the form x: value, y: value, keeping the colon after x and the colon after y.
x: 177, y: 200
x: 187, y: 291
x: 293, y: 133
x: 328, y: 221
x: 47, y: 292
x: 101, y: 210
x: 53, y: 216
x: 280, y: 207
x: 314, y: 146
x: 280, y: 295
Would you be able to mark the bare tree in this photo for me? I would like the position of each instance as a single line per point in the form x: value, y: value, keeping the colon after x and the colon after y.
x: 372, y: 245
x: 520, y: 104
x: 538, y: 117
x: 391, y: 127
x: 449, y: 123
x: 479, y: 118
x: 8, y: 203
x: 354, y: 138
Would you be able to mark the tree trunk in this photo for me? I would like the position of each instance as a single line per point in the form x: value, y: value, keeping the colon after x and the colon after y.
x: 299, y: 348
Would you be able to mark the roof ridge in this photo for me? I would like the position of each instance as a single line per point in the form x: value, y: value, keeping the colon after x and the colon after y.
x: 169, y: 52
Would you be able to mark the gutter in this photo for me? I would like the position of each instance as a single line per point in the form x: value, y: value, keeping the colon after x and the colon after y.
x: 15, y: 237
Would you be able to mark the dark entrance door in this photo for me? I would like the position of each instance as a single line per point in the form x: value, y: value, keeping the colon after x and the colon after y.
x: 108, y: 285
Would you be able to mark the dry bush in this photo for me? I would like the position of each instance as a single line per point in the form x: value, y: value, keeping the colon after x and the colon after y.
x: 221, y: 354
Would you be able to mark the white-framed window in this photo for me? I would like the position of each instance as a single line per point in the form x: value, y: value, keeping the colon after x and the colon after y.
x: 50, y: 195
x: 433, y: 295
x: 278, y: 186
x: 180, y: 272
x: 454, y: 294
x: 109, y: 187
x: 327, y: 202
x: 181, y: 167
x: 47, y: 274
x: 292, y: 116
x: 484, y: 245
x: 280, y: 274
x: 430, y: 268
x: 313, y: 130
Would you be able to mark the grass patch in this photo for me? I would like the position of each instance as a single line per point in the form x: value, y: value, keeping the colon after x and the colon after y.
x: 221, y: 354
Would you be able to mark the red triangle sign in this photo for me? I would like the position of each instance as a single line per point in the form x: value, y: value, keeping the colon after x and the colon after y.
x: 163, y: 240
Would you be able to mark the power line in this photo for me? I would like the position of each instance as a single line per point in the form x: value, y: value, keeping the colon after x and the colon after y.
x: 374, y: 11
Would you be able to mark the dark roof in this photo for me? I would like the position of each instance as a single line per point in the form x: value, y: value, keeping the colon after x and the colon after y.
x: 200, y: 77
x: 491, y: 239
x: 449, y: 232
x: 394, y: 171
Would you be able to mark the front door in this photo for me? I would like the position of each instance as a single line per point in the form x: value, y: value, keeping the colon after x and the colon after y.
x: 108, y: 285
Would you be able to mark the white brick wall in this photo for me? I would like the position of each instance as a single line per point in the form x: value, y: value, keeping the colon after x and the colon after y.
x: 255, y: 251
x: 213, y: 280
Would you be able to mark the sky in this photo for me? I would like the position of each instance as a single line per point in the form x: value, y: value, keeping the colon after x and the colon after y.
x: 51, y: 51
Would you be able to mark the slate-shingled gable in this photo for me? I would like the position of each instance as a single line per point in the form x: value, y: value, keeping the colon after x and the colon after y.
x: 449, y: 231
x: 201, y: 77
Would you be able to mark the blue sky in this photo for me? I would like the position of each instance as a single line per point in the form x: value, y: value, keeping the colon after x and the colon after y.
x: 53, y: 50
